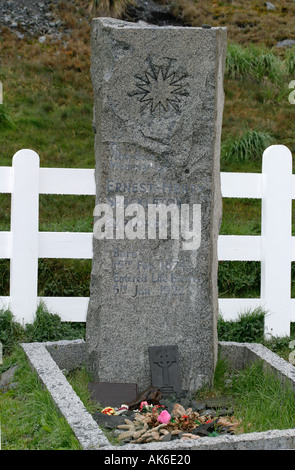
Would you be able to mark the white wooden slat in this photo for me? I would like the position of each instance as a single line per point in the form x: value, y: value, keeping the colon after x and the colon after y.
x: 65, y: 245
x: 293, y: 187
x: 6, y: 174
x: 24, y: 228
x: 292, y: 254
x: 5, y: 245
x: 72, y: 309
x: 230, y: 309
x: 77, y: 181
x: 4, y: 302
x: 241, y: 185
x: 276, y: 227
x: 239, y: 248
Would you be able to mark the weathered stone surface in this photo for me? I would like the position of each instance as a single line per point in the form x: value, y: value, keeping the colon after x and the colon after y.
x: 158, y: 102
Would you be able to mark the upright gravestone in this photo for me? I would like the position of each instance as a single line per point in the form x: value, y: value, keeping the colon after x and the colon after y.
x: 158, y: 103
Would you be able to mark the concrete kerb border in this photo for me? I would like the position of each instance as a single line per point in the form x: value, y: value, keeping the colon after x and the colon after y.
x: 50, y: 359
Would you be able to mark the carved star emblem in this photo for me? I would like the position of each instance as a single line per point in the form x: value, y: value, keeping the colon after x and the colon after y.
x: 160, y: 88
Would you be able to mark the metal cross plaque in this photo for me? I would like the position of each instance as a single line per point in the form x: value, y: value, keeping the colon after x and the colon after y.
x: 164, y: 363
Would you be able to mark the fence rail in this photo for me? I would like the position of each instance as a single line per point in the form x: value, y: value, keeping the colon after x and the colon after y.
x: 24, y: 244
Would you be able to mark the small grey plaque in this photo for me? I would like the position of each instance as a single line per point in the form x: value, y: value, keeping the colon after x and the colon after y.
x: 112, y: 394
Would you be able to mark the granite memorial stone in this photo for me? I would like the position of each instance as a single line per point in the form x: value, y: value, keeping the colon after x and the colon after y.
x: 158, y: 103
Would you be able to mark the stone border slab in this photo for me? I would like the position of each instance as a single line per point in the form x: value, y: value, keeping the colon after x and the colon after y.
x: 68, y: 403
x: 49, y: 359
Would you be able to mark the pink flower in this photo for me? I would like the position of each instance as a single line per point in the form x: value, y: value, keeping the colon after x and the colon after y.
x: 164, y: 417
x: 143, y: 404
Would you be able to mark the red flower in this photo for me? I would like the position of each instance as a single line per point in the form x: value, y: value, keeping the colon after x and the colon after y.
x: 157, y: 406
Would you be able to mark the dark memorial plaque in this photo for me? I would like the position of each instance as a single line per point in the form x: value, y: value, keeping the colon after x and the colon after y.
x: 165, y: 370
x: 112, y: 394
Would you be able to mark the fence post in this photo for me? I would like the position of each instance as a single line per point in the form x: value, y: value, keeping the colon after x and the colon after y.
x: 276, y: 226
x: 24, y: 230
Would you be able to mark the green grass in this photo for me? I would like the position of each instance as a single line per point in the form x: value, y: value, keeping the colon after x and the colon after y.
x: 248, y: 327
x: 261, y: 401
x: 29, y: 419
x: 248, y: 146
x: 79, y: 380
x: 290, y: 60
x: 45, y: 327
x: 254, y: 62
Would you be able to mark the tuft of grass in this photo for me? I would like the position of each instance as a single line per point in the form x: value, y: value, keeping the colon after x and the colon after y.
x: 5, y: 119
x: 253, y: 62
x: 46, y: 327
x: 248, y: 146
x: 11, y: 332
x: 290, y: 61
x: 49, y: 327
x: 249, y: 327
x: 64, y: 278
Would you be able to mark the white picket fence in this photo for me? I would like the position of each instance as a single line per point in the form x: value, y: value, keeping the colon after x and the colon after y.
x: 24, y: 244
